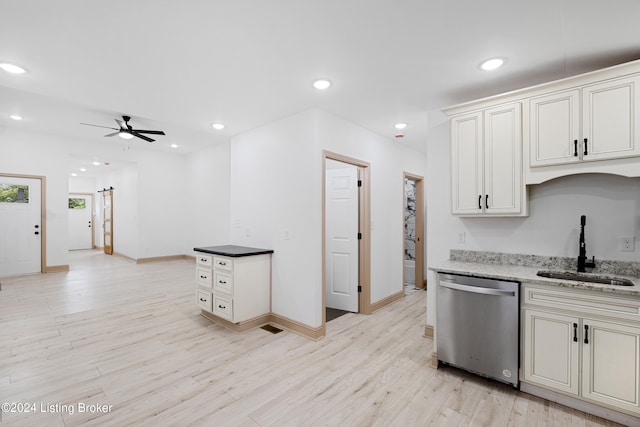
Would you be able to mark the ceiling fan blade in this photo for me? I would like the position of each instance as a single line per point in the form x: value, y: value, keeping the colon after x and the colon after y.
x: 112, y: 134
x: 153, y: 132
x: 98, y: 126
x: 146, y: 138
x: 122, y: 124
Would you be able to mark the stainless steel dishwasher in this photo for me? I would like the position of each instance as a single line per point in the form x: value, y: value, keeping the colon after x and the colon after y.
x: 478, y: 325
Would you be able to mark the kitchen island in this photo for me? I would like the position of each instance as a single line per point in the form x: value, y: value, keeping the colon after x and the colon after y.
x: 233, y: 285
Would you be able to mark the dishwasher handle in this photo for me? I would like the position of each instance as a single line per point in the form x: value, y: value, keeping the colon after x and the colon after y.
x: 477, y: 289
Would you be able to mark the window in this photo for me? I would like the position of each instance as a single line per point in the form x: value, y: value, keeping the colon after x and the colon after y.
x: 11, y: 193
x: 77, y: 203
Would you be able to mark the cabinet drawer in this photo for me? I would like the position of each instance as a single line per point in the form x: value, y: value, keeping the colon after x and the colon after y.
x: 204, y: 276
x: 223, y: 263
x: 203, y: 259
x: 223, y: 282
x: 583, y: 301
x: 223, y: 307
x: 203, y: 299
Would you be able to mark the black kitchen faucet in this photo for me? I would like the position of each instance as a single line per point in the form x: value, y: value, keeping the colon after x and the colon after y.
x: 582, y: 258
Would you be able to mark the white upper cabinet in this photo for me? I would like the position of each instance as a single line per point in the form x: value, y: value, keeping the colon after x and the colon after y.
x: 486, y: 162
x: 594, y: 122
x: 610, y: 114
x: 554, y: 128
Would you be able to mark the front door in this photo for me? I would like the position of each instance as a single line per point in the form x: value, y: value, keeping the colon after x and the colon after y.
x: 341, y: 227
x: 80, y: 221
x: 20, y: 226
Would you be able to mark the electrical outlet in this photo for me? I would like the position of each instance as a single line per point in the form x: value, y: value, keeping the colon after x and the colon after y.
x: 627, y: 243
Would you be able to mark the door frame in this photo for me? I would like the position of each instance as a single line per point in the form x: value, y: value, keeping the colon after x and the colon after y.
x: 419, y: 180
x: 43, y: 210
x: 93, y: 216
x: 364, y: 245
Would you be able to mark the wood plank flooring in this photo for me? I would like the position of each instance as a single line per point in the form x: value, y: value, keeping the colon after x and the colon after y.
x: 129, y: 337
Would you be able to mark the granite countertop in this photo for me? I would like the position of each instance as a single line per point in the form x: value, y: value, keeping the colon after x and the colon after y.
x: 233, y: 250
x: 487, y: 267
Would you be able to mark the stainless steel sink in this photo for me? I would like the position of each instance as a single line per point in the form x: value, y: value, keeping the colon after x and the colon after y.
x: 583, y: 277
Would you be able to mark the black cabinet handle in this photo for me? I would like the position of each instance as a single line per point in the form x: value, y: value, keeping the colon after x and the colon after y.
x: 575, y: 148
x: 203, y: 277
x: 586, y: 334
x: 585, y: 147
x: 222, y: 263
x: 222, y: 282
x: 486, y: 201
x: 222, y: 306
x: 480, y: 201
x: 203, y: 260
x: 203, y: 300
x: 575, y: 332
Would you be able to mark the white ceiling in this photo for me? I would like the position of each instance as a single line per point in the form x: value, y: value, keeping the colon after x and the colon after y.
x: 181, y: 65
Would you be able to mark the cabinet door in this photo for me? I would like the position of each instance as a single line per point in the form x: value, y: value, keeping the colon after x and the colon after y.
x: 611, y: 113
x: 554, y: 128
x: 466, y: 163
x: 551, y: 346
x: 610, y: 364
x: 502, y: 159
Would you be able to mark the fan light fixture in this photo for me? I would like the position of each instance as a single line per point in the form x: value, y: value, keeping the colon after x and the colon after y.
x: 321, y: 84
x: 125, y: 135
x: 11, y: 68
x: 492, y: 64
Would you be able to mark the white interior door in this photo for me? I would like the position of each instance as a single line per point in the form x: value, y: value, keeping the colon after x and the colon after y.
x: 341, y: 240
x: 80, y: 221
x: 20, y: 227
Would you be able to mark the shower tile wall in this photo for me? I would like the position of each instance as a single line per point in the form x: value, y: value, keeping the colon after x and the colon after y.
x: 410, y: 219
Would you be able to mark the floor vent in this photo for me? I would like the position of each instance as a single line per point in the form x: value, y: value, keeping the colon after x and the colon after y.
x: 272, y: 329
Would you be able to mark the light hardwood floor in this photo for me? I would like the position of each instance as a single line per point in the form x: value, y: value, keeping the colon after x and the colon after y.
x: 110, y: 332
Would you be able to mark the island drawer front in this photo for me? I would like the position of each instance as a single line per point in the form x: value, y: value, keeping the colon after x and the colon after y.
x: 594, y: 302
x: 203, y: 299
x: 223, y: 282
x: 223, y: 263
x: 223, y: 307
x: 203, y: 259
x: 204, y: 276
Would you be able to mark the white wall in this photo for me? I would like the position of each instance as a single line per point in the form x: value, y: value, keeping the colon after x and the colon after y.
x: 611, y: 204
x: 276, y: 186
x: 207, y: 196
x: 159, y: 181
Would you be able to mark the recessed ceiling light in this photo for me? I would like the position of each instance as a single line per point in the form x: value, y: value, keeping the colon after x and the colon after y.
x: 174, y: 145
x: 321, y: 84
x: 400, y: 125
x: 74, y: 174
x: 83, y: 169
x: 11, y: 68
x: 96, y: 163
x: 492, y: 64
x: 15, y: 117
x: 125, y: 135
x: 217, y: 126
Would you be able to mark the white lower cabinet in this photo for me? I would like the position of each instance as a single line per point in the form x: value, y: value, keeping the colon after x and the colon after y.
x: 235, y: 289
x: 584, y: 345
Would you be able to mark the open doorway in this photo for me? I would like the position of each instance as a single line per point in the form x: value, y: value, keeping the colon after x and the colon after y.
x: 81, y: 221
x: 345, y: 242
x: 413, y: 256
